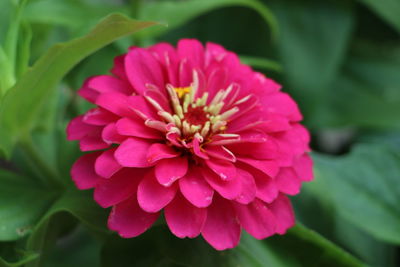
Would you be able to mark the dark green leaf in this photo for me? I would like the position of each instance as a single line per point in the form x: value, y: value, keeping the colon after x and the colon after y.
x: 313, y: 40
x: 20, y: 108
x: 76, y: 15
x: 389, y: 10
x: 176, y: 13
x: 23, y: 202
x: 364, y: 188
x: 370, y: 78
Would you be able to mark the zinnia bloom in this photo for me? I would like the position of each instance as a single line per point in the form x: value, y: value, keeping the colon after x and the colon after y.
x: 194, y: 133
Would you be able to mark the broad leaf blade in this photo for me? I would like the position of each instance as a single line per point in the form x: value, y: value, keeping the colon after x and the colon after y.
x: 176, y: 13
x: 20, y: 109
x: 23, y: 202
x: 389, y: 10
x: 365, y: 189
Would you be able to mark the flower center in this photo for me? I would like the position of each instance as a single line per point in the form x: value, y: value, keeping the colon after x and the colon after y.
x: 194, y: 116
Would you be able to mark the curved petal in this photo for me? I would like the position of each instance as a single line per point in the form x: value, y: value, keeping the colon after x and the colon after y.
x: 119, y: 187
x: 116, y: 103
x: 256, y: 219
x: 221, y: 229
x: 82, y: 172
x: 229, y: 189
x: 152, y: 196
x: 169, y: 170
x: 249, y: 188
x: 195, y: 189
x: 99, y: 116
x: 284, y: 214
x: 159, y: 151
x: 133, y: 153
x: 77, y: 128
x: 184, y: 219
x: 287, y: 181
x: 106, y: 165
x: 136, y: 127
x: 224, y: 169
x: 303, y: 166
x: 142, y: 68
x: 269, y: 167
x: 129, y: 220
x: 192, y: 50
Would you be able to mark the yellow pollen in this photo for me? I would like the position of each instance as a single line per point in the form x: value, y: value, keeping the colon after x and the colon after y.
x: 181, y: 91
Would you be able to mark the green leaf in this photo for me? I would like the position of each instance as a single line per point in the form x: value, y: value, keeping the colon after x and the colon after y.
x: 177, y: 13
x: 364, y: 188
x: 389, y: 10
x: 80, y: 205
x: 76, y: 15
x: 370, y: 78
x: 20, y: 108
x: 308, y: 248
x: 313, y: 39
x: 158, y: 247
x: 23, y: 202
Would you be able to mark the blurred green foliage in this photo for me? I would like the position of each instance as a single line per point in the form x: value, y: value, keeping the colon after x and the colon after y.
x: 340, y: 60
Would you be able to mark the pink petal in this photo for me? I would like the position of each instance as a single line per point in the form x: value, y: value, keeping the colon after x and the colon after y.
x: 256, y: 219
x: 168, y: 57
x: 249, y: 188
x: 265, y: 150
x: 221, y: 229
x: 284, y: 214
x: 111, y: 136
x: 193, y: 50
x: 266, y: 188
x: 197, y: 150
x: 139, y: 105
x: 159, y: 151
x: 195, y: 189
x: 269, y: 167
x: 119, y: 67
x: 184, y: 219
x: 220, y: 152
x: 129, y: 220
x: 169, y: 170
x: 282, y: 103
x: 82, y: 172
x: 116, y: 103
x: 106, y: 165
x: 142, y: 68
x: 107, y: 83
x: 224, y: 169
x: 136, y: 127
x: 303, y: 166
x: 152, y: 196
x: 93, y: 141
x: 119, y: 187
x: 274, y: 123
x: 99, y: 116
x: 229, y: 189
x: 287, y: 181
x: 77, y: 129
x: 133, y: 153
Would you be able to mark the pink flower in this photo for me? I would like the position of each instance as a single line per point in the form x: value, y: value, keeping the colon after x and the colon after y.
x: 194, y: 133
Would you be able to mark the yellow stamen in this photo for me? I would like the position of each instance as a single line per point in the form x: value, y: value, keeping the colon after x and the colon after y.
x: 181, y: 91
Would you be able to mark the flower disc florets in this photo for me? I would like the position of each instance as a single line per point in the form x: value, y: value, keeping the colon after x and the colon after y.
x: 194, y: 133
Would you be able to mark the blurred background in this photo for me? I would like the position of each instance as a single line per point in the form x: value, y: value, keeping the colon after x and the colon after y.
x: 340, y: 61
